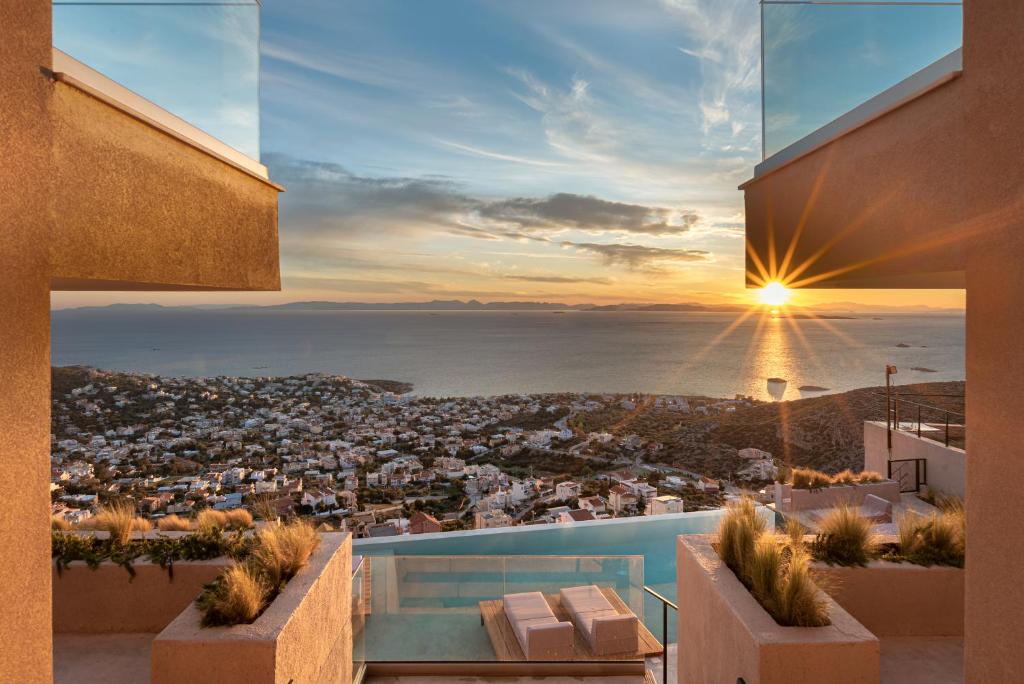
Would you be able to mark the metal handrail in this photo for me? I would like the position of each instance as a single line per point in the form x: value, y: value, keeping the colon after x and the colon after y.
x: 665, y: 605
x: 894, y: 402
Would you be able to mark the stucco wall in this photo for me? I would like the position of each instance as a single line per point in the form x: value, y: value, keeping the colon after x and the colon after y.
x: 108, y: 600
x: 25, y: 233
x: 899, y: 599
x: 946, y: 465
x: 882, y: 198
x: 305, y: 635
x: 788, y: 498
x: 729, y: 635
x: 994, y: 179
x: 146, y: 211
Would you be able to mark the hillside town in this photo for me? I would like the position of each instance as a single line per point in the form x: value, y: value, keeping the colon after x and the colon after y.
x: 370, y: 456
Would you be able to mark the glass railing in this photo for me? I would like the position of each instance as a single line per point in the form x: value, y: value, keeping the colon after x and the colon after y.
x: 822, y: 59
x: 360, y: 578
x: 197, y: 60
x: 448, y: 608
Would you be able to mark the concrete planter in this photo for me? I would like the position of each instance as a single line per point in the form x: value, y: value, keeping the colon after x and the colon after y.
x: 899, y: 599
x: 108, y: 599
x: 788, y: 499
x: 726, y: 634
x: 305, y: 635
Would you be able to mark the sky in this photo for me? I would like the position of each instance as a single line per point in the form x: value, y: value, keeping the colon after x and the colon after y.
x: 571, y: 151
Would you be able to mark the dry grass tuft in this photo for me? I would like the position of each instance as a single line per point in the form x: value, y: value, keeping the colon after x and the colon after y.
x: 282, y: 551
x: 174, y: 523
x: 239, y: 518
x: 238, y: 597
x: 738, y: 533
x: 800, y: 604
x: 795, y: 530
x: 210, y: 520
x: 844, y: 538
x: 776, y: 573
x: 869, y: 476
x: 937, y: 539
x: 807, y: 478
x: 119, y: 520
x: 59, y: 523
x: 263, y: 507
x: 845, y: 477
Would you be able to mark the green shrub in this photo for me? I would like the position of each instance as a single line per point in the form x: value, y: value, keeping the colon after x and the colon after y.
x: 844, y: 538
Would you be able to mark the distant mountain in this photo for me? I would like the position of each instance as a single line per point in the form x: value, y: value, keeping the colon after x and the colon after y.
x: 476, y: 305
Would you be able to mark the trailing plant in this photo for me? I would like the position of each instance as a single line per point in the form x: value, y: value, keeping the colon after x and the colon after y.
x: 844, y: 538
x: 67, y: 547
x: 775, y: 570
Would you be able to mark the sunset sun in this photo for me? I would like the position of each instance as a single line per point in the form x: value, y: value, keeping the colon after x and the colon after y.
x: 774, y: 294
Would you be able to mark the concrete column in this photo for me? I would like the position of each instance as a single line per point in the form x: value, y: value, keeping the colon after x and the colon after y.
x: 25, y: 228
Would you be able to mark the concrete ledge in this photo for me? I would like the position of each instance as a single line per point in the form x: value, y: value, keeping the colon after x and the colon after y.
x: 727, y: 634
x: 108, y: 599
x: 305, y: 635
x: 789, y: 499
x: 899, y: 599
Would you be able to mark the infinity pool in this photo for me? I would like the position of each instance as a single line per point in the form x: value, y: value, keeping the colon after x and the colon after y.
x: 421, y: 634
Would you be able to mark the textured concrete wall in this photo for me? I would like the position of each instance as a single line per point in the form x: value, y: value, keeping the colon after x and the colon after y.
x: 883, y: 197
x: 899, y: 599
x: 305, y: 635
x: 729, y: 635
x: 947, y: 466
x: 25, y: 233
x: 787, y: 498
x: 147, y: 211
x: 994, y: 178
x: 107, y: 599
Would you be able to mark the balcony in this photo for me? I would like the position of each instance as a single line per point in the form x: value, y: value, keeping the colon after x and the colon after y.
x: 156, y: 113
x: 862, y: 113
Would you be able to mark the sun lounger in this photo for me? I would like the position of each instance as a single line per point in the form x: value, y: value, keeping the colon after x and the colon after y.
x: 604, y: 628
x: 540, y: 634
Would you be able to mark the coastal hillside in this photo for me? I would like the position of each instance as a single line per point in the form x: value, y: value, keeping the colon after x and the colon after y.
x: 822, y: 432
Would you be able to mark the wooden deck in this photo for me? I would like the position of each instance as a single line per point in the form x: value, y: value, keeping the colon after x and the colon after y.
x: 507, y: 648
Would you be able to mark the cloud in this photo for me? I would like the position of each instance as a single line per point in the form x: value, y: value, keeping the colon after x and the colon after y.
x: 326, y: 200
x: 725, y: 38
x: 559, y: 279
x: 638, y: 257
x: 588, y: 213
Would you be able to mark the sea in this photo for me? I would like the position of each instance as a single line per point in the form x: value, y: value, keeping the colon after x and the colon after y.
x: 474, y: 353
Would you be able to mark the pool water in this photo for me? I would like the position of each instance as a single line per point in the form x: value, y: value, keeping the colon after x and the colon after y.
x: 452, y: 631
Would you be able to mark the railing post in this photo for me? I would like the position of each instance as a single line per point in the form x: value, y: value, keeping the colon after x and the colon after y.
x: 918, y: 420
x: 947, y: 428
x: 664, y: 643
